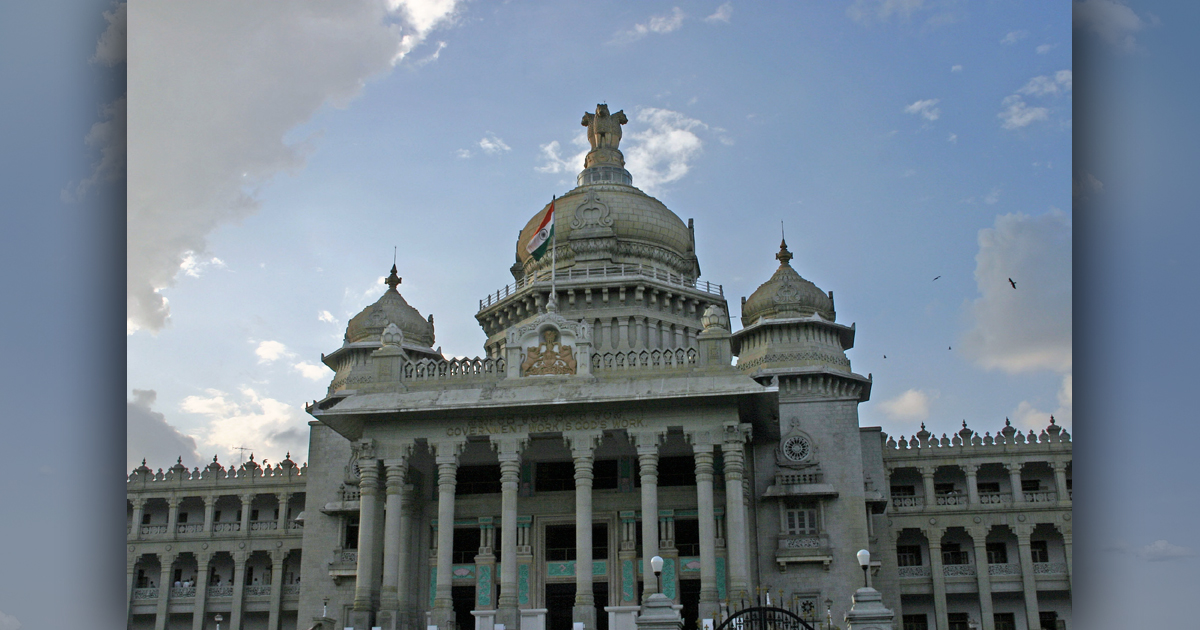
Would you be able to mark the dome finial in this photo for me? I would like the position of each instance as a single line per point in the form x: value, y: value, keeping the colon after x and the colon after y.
x: 393, y: 280
x: 784, y: 256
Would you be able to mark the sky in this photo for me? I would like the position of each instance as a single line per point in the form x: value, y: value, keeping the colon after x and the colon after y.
x: 278, y: 153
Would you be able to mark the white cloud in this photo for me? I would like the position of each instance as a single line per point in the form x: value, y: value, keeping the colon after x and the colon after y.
x: 883, y: 10
x: 910, y: 406
x: 722, y: 14
x: 956, y: 68
x: 463, y: 153
x: 662, y: 151
x: 909, y: 173
x: 660, y: 24
x: 208, y: 99
x: 1058, y: 83
x: 1161, y: 550
x: 493, y: 145
x: 7, y: 621
x: 326, y: 316
x: 110, y: 48
x: 1013, y: 37
x: 193, y: 267
x: 1027, y: 328
x: 925, y: 108
x: 992, y: 197
x: 1028, y: 416
x: 269, y: 351
x: 555, y: 163
x: 952, y: 138
x: 1114, y: 22
x: 1045, y: 48
x: 107, y: 135
x: 1017, y: 114
x: 312, y: 371
x: 269, y: 426
x: 149, y: 436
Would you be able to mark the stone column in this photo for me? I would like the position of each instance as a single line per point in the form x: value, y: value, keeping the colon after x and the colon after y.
x: 1067, y: 551
x: 202, y: 562
x: 972, y: 471
x: 508, y: 451
x: 389, y: 597
x: 247, y: 501
x: 983, y: 578
x: 582, y: 448
x: 404, y: 579
x: 709, y: 607
x: 1014, y: 480
x: 239, y: 585
x: 172, y: 517
x: 939, y: 576
x: 135, y: 528
x: 277, y: 558
x: 735, y: 509
x: 210, y: 505
x: 927, y: 485
x: 447, y: 462
x: 281, y: 520
x: 1060, y: 480
x: 130, y: 578
x: 167, y: 561
x: 647, y: 450
x: 364, y: 582
x: 1028, y: 578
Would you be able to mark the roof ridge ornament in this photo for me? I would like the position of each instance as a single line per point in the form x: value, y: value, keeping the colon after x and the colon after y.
x: 393, y: 280
x: 784, y: 256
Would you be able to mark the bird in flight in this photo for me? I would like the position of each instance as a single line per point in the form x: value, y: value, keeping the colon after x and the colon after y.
x: 1014, y: 284
x: 885, y: 356
x: 935, y: 279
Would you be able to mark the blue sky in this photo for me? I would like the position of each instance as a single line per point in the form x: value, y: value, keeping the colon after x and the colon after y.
x: 278, y: 154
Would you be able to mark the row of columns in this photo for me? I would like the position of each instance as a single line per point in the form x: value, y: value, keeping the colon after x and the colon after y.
x: 139, y: 505
x: 240, y: 558
x: 984, y: 581
x: 1014, y: 479
x: 637, y: 332
x: 730, y: 439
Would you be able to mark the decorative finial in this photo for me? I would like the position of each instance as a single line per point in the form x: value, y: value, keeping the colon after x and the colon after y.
x: 964, y: 424
x: 143, y: 461
x: 179, y: 460
x: 288, y: 456
x: 922, y: 428
x: 1051, y: 418
x: 784, y: 256
x: 252, y: 455
x: 393, y: 280
x: 1007, y: 423
x: 214, y: 459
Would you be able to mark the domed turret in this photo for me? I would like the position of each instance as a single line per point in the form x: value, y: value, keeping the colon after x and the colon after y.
x: 390, y: 308
x: 785, y: 295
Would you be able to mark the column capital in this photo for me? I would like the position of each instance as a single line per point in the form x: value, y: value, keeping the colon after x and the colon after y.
x: 1024, y: 531
x: 509, y: 447
x: 1059, y: 465
x: 283, y: 496
x: 970, y: 469
x: 167, y: 558
x: 240, y: 557
x: 247, y: 497
x: 647, y: 441
x: 447, y: 451
x: 277, y: 557
x: 703, y: 440
x: 1014, y: 467
x: 173, y: 501
x: 582, y: 444
x: 934, y: 535
x: 203, y: 558
x: 735, y: 432
x: 704, y: 465
x: 137, y: 502
x: 978, y: 534
x: 927, y: 471
x: 368, y: 481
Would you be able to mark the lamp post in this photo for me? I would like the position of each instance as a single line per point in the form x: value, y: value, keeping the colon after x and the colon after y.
x: 324, y: 608
x: 218, y: 619
x: 864, y: 561
x: 656, y: 565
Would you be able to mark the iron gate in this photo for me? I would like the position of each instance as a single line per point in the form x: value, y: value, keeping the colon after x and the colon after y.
x: 764, y: 618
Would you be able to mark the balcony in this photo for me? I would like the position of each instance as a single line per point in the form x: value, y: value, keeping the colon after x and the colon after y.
x: 1041, y: 497
x: 178, y: 592
x: 226, y: 527
x: 258, y: 590
x: 951, y: 499
x: 153, y: 530
x: 189, y: 528
x: 995, y: 498
x: 1049, y: 568
x: 1009, y: 568
x: 145, y: 593
x: 263, y: 526
x: 914, y: 572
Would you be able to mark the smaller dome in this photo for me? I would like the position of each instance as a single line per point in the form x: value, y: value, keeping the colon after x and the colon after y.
x: 390, y: 309
x: 786, y: 294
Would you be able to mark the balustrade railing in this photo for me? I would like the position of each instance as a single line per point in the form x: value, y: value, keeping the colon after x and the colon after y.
x: 951, y: 499
x: 798, y: 478
x: 914, y: 572
x: 429, y: 369
x: 295, y: 525
x: 227, y: 527
x: 145, y: 593
x: 349, y: 494
x: 908, y: 502
x: 291, y: 590
x: 348, y: 557
x: 643, y: 359
x: 1049, y: 568
x: 150, y: 530
x: 183, y: 591
x: 1009, y: 568
x: 994, y: 498
x: 262, y: 526
x: 257, y: 590
x: 220, y: 591
x: 803, y: 542
x: 189, y: 528
x: 615, y: 272
x: 958, y: 570
x: 1041, y: 497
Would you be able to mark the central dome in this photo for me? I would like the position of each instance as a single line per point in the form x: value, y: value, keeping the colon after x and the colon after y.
x: 605, y: 220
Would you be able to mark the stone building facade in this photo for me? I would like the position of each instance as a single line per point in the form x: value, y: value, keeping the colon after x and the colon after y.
x: 616, y: 416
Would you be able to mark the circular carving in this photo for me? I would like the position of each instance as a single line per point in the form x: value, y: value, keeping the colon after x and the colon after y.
x: 168, y: 547
x: 797, y: 448
x: 278, y: 543
x: 204, y: 546
x: 889, y: 522
x: 1021, y: 517
x: 1067, y: 516
x: 933, y: 521
x: 978, y: 520
x: 241, y: 545
x: 131, y: 549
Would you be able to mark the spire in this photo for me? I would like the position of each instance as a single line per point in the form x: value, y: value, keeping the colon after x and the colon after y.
x: 784, y: 256
x: 393, y: 280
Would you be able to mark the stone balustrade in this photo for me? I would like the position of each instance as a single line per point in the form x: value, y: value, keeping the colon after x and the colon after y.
x: 608, y: 272
x: 145, y: 593
x: 644, y: 359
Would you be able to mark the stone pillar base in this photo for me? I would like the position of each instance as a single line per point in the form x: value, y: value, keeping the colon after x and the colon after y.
x: 868, y: 612
x: 709, y: 610
x: 443, y: 618
x: 533, y: 619
x: 484, y: 619
x: 388, y: 620
x: 659, y: 613
x: 361, y: 619
x: 622, y: 617
x: 585, y: 615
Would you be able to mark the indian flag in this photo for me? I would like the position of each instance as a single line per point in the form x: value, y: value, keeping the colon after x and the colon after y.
x: 540, y: 243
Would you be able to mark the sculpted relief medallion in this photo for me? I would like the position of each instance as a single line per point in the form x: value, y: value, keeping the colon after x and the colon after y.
x: 549, y: 356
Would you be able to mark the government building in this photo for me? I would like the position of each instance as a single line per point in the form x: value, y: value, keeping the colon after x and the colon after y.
x: 615, y: 416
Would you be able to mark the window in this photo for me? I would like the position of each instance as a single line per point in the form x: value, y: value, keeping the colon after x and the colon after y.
x: 182, y: 518
x: 676, y: 471
x: 1038, y: 549
x: 560, y: 542
x: 687, y: 537
x: 217, y: 516
x: 943, y: 488
x: 478, y: 480
x: 145, y: 519
x: 952, y: 553
x: 600, y: 541
x: 904, y: 491
x: 958, y: 621
x: 604, y: 475
x: 554, y: 476
x: 800, y: 519
x: 1005, y: 621
x: 916, y: 622
x: 351, y: 539
x: 908, y: 555
x: 1030, y: 485
x: 997, y: 553
x: 254, y: 515
x: 1048, y: 619
x: 466, y: 545
x: 988, y: 486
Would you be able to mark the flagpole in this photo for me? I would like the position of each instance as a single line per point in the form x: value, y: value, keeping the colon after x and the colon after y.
x: 553, y: 258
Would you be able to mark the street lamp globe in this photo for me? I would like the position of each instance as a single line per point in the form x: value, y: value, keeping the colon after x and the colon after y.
x: 656, y: 564
x: 864, y: 561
